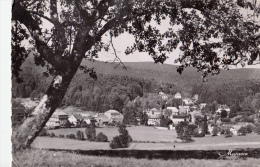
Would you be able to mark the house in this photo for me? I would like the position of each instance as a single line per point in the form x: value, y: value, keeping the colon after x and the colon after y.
x: 153, y: 121
x: 154, y: 113
x: 223, y: 107
x: 163, y: 95
x: 116, y: 116
x: 63, y: 117
x: 195, y: 97
x: 178, y: 118
x: 187, y: 101
x: 202, y: 105
x: 75, y: 119
x: 174, y: 110
x: 177, y: 96
x: 53, y: 122
x: 182, y: 110
x: 102, y: 120
x: 87, y: 118
x: 58, y: 118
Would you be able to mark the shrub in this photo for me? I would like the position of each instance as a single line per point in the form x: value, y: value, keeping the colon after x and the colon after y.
x: 71, y: 136
x: 43, y: 132
x: 48, y: 134
x: 222, y: 131
x: 90, y: 132
x: 248, y: 119
x: 257, y: 129
x: 242, y: 131
x: 215, y: 131
x: 123, y: 140
x: 61, y: 136
x: 197, y: 133
x: 249, y: 128
x: 225, y: 119
x: 101, y: 137
x: 228, y: 133
x: 52, y: 135
x: 80, y: 135
x: 237, y: 119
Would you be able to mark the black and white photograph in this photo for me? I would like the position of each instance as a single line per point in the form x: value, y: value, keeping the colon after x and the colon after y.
x: 133, y: 83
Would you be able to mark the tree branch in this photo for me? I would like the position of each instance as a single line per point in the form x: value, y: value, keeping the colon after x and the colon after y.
x: 20, y: 14
x: 45, y: 17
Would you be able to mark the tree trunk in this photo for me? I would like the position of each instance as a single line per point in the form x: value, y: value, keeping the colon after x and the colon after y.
x: 32, y: 126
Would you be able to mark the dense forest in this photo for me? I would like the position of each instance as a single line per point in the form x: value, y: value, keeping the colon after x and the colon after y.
x: 116, y: 88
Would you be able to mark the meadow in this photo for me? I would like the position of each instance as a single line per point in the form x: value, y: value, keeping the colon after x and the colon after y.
x: 148, y: 138
x: 50, y: 158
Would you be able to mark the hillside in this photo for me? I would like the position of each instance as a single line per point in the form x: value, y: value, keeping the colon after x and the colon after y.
x: 115, y: 87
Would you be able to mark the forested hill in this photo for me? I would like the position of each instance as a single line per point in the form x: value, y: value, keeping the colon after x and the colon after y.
x: 168, y: 73
x: 116, y: 86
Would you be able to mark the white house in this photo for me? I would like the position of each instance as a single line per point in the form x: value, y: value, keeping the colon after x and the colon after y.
x: 153, y: 121
x: 187, y: 101
x: 177, y: 96
x: 223, y: 107
x: 57, y: 119
x: 178, y: 118
x: 102, y: 119
x: 53, y: 122
x: 75, y: 119
x: 202, y: 105
x: 87, y: 118
x: 63, y: 117
x: 182, y: 110
x: 174, y: 110
x: 114, y: 115
x: 195, y: 98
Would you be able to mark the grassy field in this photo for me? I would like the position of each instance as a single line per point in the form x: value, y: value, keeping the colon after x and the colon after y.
x: 50, y: 158
x: 164, y: 140
x: 138, y: 133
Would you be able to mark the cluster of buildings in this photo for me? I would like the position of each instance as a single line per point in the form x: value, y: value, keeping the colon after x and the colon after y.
x: 62, y: 119
x: 177, y: 115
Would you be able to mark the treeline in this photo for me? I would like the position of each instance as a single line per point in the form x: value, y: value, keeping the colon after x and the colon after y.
x: 107, y: 92
x: 243, y: 97
x: 114, y: 89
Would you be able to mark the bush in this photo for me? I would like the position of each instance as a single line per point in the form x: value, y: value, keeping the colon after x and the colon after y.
x: 90, y: 132
x: 197, y: 133
x: 225, y: 120
x: 48, y: 134
x: 43, y: 132
x: 215, y: 131
x: 242, y: 131
x: 228, y: 133
x: 123, y: 140
x: 248, y: 119
x: 101, y: 137
x: 257, y: 129
x: 80, y: 135
x: 61, y: 136
x: 52, y: 135
x: 250, y: 128
x: 71, y: 136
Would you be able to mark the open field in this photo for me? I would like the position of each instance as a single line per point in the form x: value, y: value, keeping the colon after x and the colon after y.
x: 138, y: 133
x: 165, y: 140
x: 51, y: 158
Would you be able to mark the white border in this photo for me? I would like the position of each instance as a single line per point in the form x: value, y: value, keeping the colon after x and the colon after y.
x: 5, y: 83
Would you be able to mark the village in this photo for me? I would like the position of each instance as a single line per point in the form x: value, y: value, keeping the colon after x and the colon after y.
x: 189, y: 111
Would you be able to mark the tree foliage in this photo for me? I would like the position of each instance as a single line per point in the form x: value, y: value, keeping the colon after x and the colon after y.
x: 123, y: 140
x: 90, y: 132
